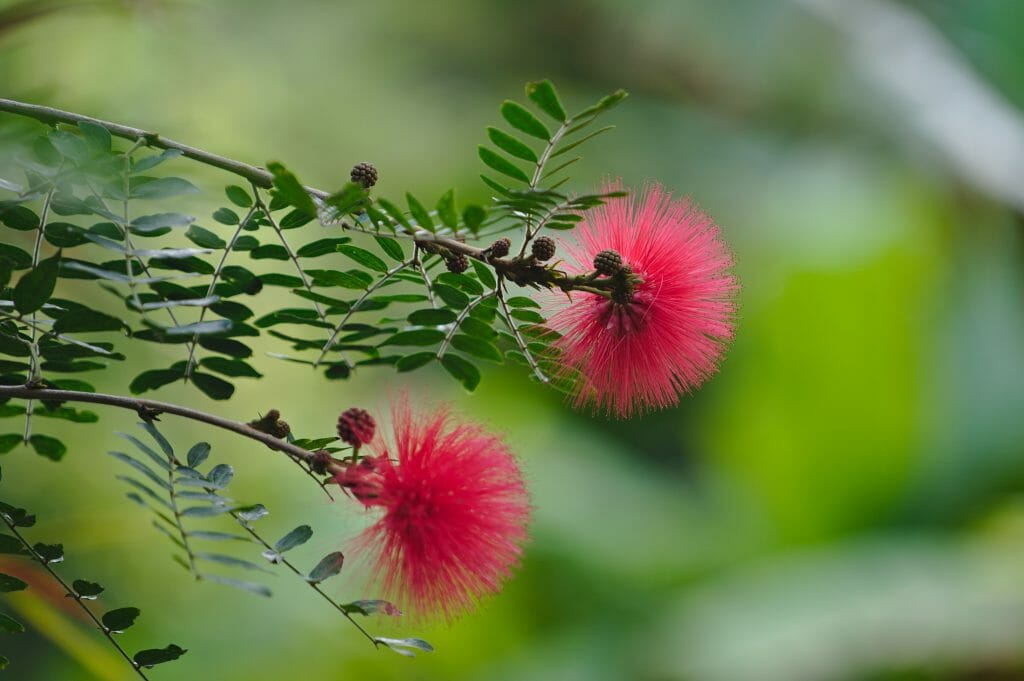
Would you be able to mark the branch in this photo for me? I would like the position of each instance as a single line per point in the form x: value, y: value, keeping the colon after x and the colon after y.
x: 521, y: 271
x: 258, y: 176
x: 71, y: 594
x: 149, y: 409
x: 313, y: 585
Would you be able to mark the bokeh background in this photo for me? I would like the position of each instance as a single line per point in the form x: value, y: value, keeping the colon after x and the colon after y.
x: 842, y: 502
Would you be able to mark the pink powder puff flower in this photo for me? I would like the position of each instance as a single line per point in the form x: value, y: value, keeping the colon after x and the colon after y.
x: 455, y: 512
x: 639, y: 354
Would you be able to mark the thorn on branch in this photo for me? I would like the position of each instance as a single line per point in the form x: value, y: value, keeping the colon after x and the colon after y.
x: 148, y: 413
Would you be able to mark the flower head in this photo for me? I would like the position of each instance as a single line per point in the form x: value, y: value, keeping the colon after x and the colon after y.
x: 639, y: 348
x: 454, y: 512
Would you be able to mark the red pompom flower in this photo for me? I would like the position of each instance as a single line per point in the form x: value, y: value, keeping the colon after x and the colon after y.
x: 455, y: 512
x: 669, y: 336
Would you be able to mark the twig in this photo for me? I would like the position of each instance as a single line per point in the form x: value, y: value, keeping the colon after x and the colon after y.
x: 458, y: 321
x: 150, y: 409
x: 355, y: 308
x: 519, y: 338
x: 316, y: 587
x: 258, y: 176
x: 74, y: 596
x: 190, y: 363
x: 418, y: 263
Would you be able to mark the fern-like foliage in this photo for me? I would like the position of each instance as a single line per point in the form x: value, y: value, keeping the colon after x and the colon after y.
x: 181, y: 496
x: 110, y: 623
x: 372, y: 292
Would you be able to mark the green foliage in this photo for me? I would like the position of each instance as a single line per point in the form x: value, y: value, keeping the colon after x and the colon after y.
x: 100, y: 267
x: 112, y: 622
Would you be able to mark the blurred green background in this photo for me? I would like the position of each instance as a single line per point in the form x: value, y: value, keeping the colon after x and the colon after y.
x: 842, y: 502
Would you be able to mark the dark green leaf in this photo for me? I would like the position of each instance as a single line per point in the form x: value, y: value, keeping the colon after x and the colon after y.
x: 602, y: 105
x: 8, y: 583
x: 11, y: 545
x: 233, y: 368
x: 9, y: 625
x: 154, y: 656
x: 18, y: 217
x: 238, y: 196
x: 483, y: 273
x: 9, y: 441
x: 160, y: 187
x: 328, y: 566
x: 372, y: 607
x: 220, y: 475
x: 521, y: 119
x: 19, y: 259
x: 522, y: 301
x: 528, y: 316
x: 98, y: 136
x: 300, y: 535
x: 157, y: 479
x: 321, y: 247
x: 47, y: 446
x: 415, y: 337
x: 395, y: 213
x: 120, y: 619
x: 197, y: 455
x: 473, y: 216
x: 291, y: 190
x: 405, y: 646
x: 251, y: 587
x: 363, y: 257
x: 152, y: 223
x: 253, y: 513
x: 348, y: 198
x: 446, y: 210
x: 415, y: 361
x: 213, y: 387
x: 419, y: 213
x: 87, y: 590
x: 36, y: 286
x: 49, y: 553
x: 204, y: 238
x: 148, y: 162
x: 60, y: 234
x: 226, y: 346
x: 269, y: 252
x: 154, y: 378
x: 431, y: 317
x: 511, y: 145
x: 477, y: 347
x: 205, y: 511
x: 543, y: 94
x: 217, y: 536
x: 501, y: 164
x: 354, y: 279
x: 451, y: 296
x: 461, y: 281
x: 463, y: 371
x: 85, y: 319
x: 230, y: 561
x: 69, y: 414
x: 390, y: 246
x: 226, y: 216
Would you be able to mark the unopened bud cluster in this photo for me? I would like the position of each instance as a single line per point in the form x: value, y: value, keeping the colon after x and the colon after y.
x: 457, y: 263
x: 543, y: 248
x: 364, y: 174
x: 500, y: 248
